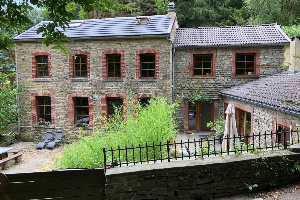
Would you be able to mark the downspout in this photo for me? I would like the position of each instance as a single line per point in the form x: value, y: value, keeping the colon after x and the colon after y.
x: 173, y: 69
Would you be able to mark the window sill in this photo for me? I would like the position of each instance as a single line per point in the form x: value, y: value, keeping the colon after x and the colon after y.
x: 43, y: 126
x: 113, y: 80
x: 200, y: 77
x: 147, y: 80
x: 41, y: 79
x: 84, y: 128
x: 255, y: 77
x: 79, y: 80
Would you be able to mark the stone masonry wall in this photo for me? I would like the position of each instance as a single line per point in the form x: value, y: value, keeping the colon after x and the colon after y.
x: 263, y: 119
x: 60, y: 85
x: 199, y: 180
x: 271, y: 58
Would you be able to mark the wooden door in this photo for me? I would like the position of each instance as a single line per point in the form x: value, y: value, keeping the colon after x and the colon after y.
x: 200, y: 113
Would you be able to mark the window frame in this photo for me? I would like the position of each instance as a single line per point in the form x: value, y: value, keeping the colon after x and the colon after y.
x: 104, y: 105
x: 80, y: 63
x: 72, y: 64
x: 138, y: 63
x: 44, y: 105
x: 104, y: 63
x: 115, y: 99
x: 256, y: 53
x: 107, y: 63
x: 35, y: 64
x: 76, y: 106
x: 148, y: 62
x: 213, y: 55
x: 71, y: 106
x: 34, y: 107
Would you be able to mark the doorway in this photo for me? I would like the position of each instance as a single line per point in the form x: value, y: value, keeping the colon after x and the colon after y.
x: 200, y: 113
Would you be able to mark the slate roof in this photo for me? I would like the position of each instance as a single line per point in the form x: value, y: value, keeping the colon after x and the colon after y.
x: 268, y: 91
x: 230, y: 35
x: 109, y: 27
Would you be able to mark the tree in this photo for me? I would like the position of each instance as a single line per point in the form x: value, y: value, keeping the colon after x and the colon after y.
x: 284, y: 12
x: 210, y: 12
x: 16, y: 15
x: 8, y: 101
x: 161, y: 6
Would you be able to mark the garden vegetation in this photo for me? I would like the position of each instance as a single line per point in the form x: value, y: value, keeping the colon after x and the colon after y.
x: 152, y: 123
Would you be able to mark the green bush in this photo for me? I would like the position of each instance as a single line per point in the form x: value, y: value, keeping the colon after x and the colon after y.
x: 154, y: 123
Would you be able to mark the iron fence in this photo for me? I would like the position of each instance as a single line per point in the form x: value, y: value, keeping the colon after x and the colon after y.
x: 201, y: 147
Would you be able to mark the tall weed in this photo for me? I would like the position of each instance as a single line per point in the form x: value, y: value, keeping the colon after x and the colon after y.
x: 154, y: 123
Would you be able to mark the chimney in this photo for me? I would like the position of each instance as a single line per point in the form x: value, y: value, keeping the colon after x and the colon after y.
x: 171, y: 10
x: 294, y: 51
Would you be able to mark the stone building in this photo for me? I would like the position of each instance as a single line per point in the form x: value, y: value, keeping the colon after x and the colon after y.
x: 146, y: 55
x: 210, y: 59
x: 265, y: 105
x: 113, y: 56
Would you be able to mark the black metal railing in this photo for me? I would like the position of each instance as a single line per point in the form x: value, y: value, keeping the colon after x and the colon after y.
x: 209, y: 146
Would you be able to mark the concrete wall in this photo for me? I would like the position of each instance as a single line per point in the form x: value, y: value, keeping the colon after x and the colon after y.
x: 202, y: 179
x: 60, y: 85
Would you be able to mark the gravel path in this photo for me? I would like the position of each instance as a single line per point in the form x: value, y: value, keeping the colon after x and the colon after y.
x: 33, y: 160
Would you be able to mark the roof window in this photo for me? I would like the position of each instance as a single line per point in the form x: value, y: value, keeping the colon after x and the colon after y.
x: 75, y: 24
x: 142, y: 20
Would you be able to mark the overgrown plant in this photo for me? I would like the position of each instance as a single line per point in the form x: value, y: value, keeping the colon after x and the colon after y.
x: 199, y: 95
x: 138, y: 125
x: 218, y: 125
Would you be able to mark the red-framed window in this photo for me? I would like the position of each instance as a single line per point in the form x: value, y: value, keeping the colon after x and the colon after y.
x: 41, y: 65
x: 245, y: 63
x: 147, y: 64
x: 79, y: 65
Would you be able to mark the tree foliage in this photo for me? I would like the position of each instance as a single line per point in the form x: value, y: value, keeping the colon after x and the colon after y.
x: 210, y: 12
x: 161, y: 6
x: 284, y: 12
x: 8, y: 101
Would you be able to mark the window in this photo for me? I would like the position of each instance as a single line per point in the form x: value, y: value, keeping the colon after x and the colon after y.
x: 202, y: 65
x: 144, y: 102
x: 245, y: 63
x: 81, y: 110
x: 41, y: 65
x: 111, y: 104
x: 113, y: 66
x: 44, y: 109
x: 243, y: 123
x: 147, y: 65
x: 80, y: 66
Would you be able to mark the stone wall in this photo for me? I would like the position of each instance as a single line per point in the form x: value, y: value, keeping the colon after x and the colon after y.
x: 60, y: 85
x: 263, y: 118
x: 271, y: 58
x: 202, y: 179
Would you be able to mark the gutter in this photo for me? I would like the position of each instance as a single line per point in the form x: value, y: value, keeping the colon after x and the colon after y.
x: 286, y: 110
x: 230, y: 45
x: 99, y: 38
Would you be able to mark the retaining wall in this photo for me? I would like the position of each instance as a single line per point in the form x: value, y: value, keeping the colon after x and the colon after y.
x: 203, y: 179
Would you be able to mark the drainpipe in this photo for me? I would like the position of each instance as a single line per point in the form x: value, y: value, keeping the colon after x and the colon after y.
x: 277, y: 119
x: 173, y: 69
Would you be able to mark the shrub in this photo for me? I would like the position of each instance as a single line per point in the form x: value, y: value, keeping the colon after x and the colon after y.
x: 154, y: 123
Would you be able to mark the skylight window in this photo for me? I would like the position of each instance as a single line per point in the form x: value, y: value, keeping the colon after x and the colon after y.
x: 75, y: 24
